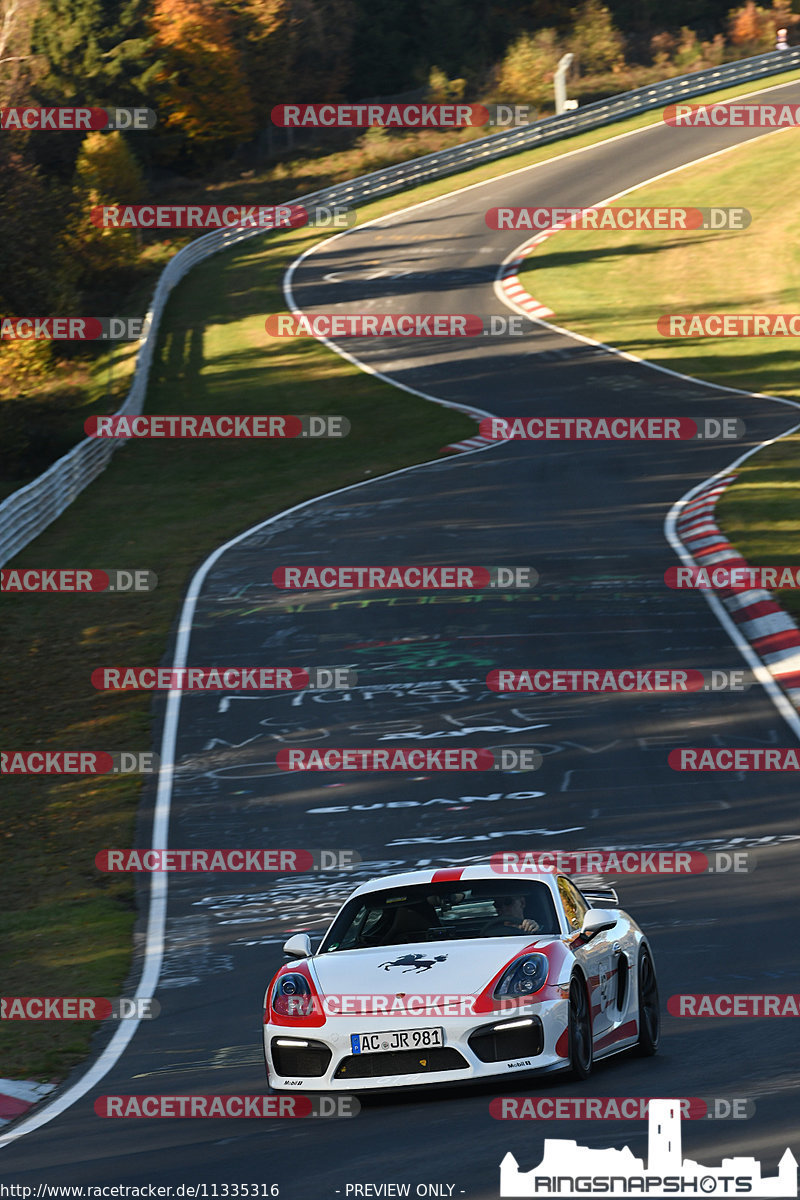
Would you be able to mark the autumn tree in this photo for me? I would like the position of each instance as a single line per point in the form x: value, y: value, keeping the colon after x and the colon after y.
x: 595, y: 41
x: 37, y: 275
x: 752, y: 28
x: 201, y: 90
x: 527, y: 70
x: 106, y: 173
x: 264, y: 37
x: 442, y: 90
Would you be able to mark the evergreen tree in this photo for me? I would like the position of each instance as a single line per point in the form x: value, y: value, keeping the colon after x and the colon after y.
x: 96, y: 52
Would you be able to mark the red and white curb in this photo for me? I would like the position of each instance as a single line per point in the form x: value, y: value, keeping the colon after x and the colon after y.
x: 473, y: 443
x: 18, y: 1095
x: 770, y: 631
x: 513, y: 289
x: 509, y: 279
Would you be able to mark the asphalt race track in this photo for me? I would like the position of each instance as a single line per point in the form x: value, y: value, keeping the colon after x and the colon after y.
x: 589, y: 517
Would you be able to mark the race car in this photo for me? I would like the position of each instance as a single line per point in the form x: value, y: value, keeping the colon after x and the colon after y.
x: 435, y: 977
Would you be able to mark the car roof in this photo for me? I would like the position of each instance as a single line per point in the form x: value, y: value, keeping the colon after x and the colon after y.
x: 505, y: 882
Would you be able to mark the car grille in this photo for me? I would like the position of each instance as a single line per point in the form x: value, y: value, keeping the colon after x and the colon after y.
x: 309, y: 1061
x: 496, y: 1045
x: 400, y: 1062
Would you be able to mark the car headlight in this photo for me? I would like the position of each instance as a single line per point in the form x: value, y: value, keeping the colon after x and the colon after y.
x: 523, y: 977
x: 292, y: 996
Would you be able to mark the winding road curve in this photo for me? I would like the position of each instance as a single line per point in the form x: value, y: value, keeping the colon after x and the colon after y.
x: 590, y: 518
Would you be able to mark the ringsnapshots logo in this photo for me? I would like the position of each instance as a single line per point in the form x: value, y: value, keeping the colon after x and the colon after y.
x: 73, y: 120
x: 613, y: 429
x: 568, y: 1169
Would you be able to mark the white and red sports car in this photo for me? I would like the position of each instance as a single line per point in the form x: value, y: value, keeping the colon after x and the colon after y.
x: 450, y: 975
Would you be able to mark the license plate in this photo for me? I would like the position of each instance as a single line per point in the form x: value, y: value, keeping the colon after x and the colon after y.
x: 397, y: 1039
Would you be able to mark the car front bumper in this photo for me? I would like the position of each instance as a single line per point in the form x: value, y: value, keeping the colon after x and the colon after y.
x: 478, y: 1046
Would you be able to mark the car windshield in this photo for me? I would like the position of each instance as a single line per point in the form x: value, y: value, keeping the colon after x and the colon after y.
x: 434, y: 912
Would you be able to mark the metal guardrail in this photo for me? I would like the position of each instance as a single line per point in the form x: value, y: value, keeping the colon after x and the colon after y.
x: 27, y: 512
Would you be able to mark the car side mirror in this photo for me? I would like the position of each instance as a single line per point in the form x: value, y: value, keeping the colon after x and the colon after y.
x: 298, y: 946
x: 596, y: 921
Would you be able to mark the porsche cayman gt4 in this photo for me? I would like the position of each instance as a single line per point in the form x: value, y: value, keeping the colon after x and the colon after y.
x: 435, y: 977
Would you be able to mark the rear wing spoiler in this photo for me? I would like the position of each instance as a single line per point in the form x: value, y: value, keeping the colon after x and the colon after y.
x: 600, y: 897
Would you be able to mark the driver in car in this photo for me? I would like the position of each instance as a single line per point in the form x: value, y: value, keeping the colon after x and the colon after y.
x: 510, y: 918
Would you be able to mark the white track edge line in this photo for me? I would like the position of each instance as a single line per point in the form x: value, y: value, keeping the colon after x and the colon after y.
x: 761, y: 672
x: 156, y: 921
x: 782, y: 703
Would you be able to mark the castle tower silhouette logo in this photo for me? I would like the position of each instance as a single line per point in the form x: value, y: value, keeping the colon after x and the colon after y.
x: 568, y: 1169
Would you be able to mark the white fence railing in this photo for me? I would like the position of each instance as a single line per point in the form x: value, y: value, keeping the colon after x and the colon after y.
x: 25, y: 513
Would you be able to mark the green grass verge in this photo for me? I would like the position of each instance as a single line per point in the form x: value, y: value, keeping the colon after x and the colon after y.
x: 613, y: 286
x: 67, y: 927
x: 759, y: 513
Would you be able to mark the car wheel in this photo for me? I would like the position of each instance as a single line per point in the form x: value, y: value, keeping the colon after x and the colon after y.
x: 581, y: 1047
x: 649, y: 1011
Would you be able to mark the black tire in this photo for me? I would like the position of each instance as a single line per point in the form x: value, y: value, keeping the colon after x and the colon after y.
x: 581, y: 1045
x: 649, y: 1010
